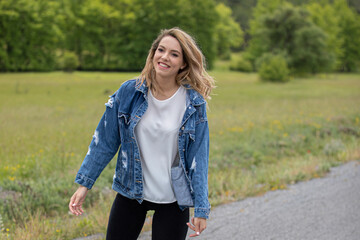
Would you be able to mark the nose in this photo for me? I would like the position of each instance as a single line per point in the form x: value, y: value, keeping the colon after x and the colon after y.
x: 165, y: 56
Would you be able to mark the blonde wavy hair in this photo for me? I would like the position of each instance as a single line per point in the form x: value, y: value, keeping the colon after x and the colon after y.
x: 194, y: 72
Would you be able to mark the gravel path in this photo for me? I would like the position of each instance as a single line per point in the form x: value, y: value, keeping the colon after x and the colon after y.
x: 324, y: 208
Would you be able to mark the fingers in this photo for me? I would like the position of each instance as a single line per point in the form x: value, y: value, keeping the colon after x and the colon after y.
x: 76, y: 201
x: 198, y: 226
x: 75, y: 206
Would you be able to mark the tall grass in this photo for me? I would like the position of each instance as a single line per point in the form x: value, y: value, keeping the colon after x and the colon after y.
x: 263, y: 137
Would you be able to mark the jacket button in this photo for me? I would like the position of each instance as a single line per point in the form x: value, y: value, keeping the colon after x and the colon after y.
x: 183, y: 149
x: 183, y: 128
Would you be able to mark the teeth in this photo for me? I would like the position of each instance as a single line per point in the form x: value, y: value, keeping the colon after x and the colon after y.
x: 163, y: 65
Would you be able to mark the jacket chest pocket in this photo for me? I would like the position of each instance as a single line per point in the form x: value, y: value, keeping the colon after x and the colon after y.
x: 124, y: 126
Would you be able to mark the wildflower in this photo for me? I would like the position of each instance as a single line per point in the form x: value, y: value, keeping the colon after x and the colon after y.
x: 11, y: 178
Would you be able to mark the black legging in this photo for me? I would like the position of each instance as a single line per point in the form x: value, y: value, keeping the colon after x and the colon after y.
x: 127, y: 218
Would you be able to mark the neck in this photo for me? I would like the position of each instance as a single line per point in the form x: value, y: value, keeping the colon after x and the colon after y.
x: 165, y: 88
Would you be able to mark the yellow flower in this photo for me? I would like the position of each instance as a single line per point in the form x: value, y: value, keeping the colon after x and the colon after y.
x: 12, y: 178
x: 285, y: 135
x: 7, y: 230
x: 57, y: 230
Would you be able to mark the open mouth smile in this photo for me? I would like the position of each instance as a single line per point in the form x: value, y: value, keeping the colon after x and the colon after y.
x: 163, y: 65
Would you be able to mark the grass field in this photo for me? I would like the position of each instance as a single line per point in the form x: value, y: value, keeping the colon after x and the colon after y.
x: 263, y: 137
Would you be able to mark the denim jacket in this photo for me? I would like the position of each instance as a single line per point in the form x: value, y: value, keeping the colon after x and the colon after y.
x: 116, y: 128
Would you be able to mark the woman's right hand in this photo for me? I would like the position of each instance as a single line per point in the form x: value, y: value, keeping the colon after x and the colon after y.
x: 77, y: 200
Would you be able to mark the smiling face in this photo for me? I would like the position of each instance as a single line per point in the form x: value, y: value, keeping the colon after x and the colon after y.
x: 168, y: 58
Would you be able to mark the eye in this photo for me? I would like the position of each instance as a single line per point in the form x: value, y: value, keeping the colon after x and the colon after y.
x: 160, y: 49
x: 175, y: 55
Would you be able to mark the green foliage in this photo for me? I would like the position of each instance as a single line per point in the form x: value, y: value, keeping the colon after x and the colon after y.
x: 326, y: 16
x: 257, y: 46
x: 288, y: 30
x: 69, y: 61
x: 311, y: 55
x: 228, y: 32
x: 273, y: 68
x: 104, y: 34
x: 243, y: 9
x: 349, y: 22
x: 28, y: 35
x: 238, y: 63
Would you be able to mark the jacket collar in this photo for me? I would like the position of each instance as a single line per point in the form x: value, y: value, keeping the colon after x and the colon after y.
x: 193, y: 96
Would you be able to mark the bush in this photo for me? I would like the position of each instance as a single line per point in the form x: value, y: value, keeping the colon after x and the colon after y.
x: 273, y: 68
x: 238, y: 63
x: 69, y: 61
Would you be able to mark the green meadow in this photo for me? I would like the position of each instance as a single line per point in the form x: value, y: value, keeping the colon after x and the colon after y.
x: 264, y: 136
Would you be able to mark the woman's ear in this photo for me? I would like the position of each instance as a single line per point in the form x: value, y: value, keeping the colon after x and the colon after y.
x: 183, y: 66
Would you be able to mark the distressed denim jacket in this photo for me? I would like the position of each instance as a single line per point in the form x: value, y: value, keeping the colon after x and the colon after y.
x: 116, y: 128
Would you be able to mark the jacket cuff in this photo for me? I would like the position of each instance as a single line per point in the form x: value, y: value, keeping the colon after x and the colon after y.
x: 84, y: 181
x: 202, y: 212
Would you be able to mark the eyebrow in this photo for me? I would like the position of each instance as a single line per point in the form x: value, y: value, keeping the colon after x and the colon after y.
x: 173, y: 50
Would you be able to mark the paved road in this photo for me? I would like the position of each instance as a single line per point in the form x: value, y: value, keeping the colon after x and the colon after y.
x: 325, y: 208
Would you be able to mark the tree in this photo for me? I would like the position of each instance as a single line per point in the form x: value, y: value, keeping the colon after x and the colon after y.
x: 104, y: 34
x: 349, y: 22
x: 289, y: 32
x: 199, y: 18
x: 28, y: 35
x: 325, y: 16
x: 228, y: 32
x: 257, y: 45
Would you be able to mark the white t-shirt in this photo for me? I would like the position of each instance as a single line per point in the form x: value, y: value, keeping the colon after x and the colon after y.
x: 157, y: 137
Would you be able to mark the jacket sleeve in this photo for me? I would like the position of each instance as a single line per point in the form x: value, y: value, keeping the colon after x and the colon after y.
x: 199, y: 166
x: 104, y: 145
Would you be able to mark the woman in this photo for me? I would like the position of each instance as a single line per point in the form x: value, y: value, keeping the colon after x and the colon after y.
x: 159, y: 121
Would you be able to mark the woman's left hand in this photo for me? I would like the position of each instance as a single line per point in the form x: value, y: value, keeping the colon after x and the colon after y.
x: 198, y: 225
